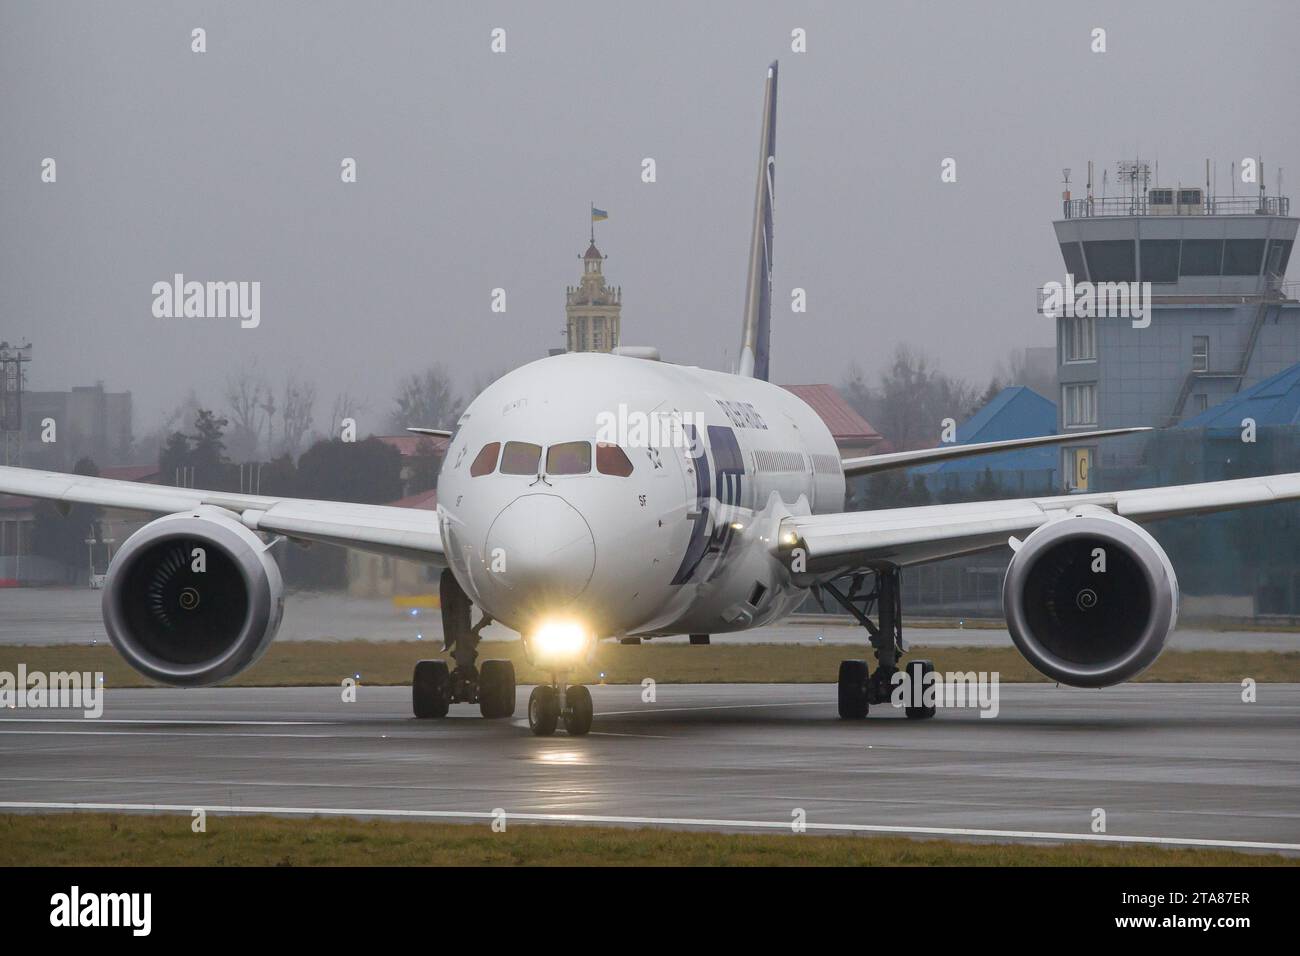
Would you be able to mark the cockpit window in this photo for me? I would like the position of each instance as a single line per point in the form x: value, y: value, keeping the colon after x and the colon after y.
x: 612, y: 460
x: 520, y: 458
x: 569, y: 458
x: 485, y: 460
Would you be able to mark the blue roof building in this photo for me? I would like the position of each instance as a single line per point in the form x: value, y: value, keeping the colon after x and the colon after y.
x: 1015, y: 412
x: 1274, y: 401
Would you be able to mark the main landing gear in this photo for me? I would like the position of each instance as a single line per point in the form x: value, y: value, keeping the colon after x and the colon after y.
x: 545, y: 711
x: 436, y: 687
x: 859, y: 686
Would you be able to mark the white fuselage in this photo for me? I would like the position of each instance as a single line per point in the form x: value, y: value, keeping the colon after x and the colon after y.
x: 675, y: 538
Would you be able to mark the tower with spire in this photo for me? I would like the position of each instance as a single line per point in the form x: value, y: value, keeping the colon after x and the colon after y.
x: 593, y: 309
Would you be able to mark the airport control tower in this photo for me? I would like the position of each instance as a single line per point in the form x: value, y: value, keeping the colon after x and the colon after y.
x: 1222, y: 316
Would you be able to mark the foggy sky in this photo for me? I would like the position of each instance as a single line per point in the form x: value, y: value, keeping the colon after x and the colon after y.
x: 475, y: 171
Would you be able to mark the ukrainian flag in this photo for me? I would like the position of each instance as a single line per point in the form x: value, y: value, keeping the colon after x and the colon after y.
x: 598, y: 215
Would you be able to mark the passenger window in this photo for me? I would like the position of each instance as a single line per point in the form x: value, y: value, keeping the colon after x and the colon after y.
x: 520, y: 458
x: 612, y: 460
x: 486, y: 460
x: 569, y: 458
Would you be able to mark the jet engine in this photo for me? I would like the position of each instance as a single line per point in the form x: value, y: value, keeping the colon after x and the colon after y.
x: 1090, y: 599
x: 193, y: 598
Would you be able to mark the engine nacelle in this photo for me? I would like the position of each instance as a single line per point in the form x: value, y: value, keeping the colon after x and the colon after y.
x: 1090, y: 599
x: 193, y: 598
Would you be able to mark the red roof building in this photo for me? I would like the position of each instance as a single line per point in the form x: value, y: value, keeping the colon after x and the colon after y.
x: 852, y: 433
x: 411, y: 445
x: 145, y: 473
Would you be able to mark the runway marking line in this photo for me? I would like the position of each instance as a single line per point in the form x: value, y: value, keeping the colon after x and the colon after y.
x: 165, y: 720
x: 155, y: 733
x: 665, y: 821
x: 652, y: 709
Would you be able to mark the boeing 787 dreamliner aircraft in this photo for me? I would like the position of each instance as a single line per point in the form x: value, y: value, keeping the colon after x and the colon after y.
x: 589, y: 495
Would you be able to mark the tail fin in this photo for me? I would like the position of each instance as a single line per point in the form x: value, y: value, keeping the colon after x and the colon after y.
x: 757, y: 334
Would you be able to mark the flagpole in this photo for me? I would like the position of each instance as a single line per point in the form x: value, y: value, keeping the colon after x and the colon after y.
x: 592, y: 216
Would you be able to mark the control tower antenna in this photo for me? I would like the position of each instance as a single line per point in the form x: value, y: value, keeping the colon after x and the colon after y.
x: 1135, y: 175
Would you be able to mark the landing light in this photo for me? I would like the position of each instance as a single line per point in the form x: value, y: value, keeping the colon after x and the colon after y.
x: 561, y: 641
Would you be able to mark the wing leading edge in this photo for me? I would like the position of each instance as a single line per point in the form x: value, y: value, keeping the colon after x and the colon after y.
x: 854, y: 467
x: 838, y: 543
x: 400, y: 532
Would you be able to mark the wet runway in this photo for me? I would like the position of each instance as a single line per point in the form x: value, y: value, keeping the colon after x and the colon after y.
x: 1183, y: 764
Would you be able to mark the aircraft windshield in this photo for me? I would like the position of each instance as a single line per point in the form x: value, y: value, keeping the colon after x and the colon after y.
x: 569, y: 458
x: 520, y: 458
x: 565, y: 458
x: 485, y: 461
x: 612, y: 460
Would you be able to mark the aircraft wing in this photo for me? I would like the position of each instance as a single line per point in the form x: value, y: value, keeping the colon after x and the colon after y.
x: 870, y: 464
x: 401, y: 532
x: 835, y: 544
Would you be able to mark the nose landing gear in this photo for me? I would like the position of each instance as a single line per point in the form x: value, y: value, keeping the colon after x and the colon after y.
x: 545, y: 711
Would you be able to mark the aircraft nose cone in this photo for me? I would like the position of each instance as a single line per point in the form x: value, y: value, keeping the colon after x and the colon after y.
x: 540, y: 552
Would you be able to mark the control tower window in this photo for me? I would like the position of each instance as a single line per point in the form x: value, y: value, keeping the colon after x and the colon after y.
x: 486, y: 460
x: 1201, y: 257
x: 520, y: 458
x: 1242, y: 257
x: 1279, y: 251
x: 569, y: 458
x: 1159, y: 260
x: 1111, y: 260
x: 612, y: 460
x: 1073, y: 260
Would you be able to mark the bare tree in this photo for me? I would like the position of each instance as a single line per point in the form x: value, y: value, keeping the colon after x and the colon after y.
x: 426, y: 399
x: 1016, y: 369
x: 251, y: 405
x: 148, y: 446
x: 915, y: 398
x: 857, y: 392
x: 482, y: 381
x: 297, y: 412
x: 346, y: 405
